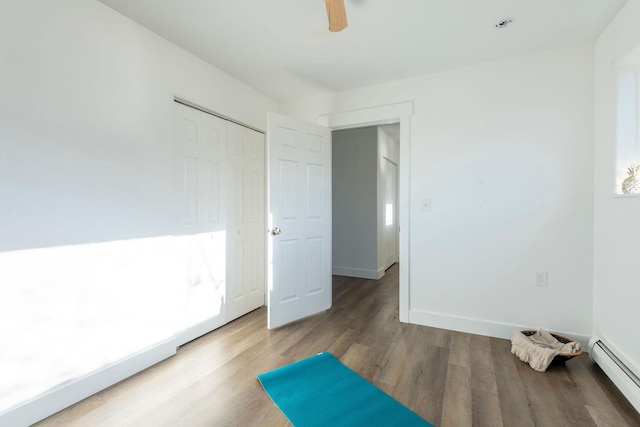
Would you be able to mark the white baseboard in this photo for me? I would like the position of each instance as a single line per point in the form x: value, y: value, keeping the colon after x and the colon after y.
x: 358, y: 272
x: 200, y: 329
x: 483, y: 327
x: 76, y: 390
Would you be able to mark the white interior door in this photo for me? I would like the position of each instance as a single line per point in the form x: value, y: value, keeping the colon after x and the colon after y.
x: 299, y: 279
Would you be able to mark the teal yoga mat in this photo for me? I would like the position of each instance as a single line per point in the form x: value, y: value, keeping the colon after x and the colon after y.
x: 321, y: 391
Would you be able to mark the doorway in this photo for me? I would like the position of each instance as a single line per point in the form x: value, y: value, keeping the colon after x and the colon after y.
x: 400, y: 112
x: 364, y: 198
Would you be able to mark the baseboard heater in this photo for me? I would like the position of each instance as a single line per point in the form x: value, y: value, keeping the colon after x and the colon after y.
x: 617, y: 370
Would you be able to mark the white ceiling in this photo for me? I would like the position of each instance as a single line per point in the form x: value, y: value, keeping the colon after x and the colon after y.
x: 284, y: 49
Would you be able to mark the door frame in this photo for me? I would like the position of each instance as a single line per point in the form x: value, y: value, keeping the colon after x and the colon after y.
x: 382, y: 115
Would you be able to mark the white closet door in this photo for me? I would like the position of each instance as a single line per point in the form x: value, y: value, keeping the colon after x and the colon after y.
x: 246, y: 221
x: 199, y: 221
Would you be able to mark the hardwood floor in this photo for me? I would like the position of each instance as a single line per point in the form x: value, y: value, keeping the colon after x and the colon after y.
x: 449, y: 378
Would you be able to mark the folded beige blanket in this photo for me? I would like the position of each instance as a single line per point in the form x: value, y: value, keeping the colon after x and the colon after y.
x: 539, y: 349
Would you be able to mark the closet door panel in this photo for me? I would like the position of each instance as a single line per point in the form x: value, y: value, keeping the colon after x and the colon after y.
x: 236, y: 289
x: 246, y: 275
x: 214, y: 183
x: 199, y: 222
x: 255, y: 219
x: 187, y: 147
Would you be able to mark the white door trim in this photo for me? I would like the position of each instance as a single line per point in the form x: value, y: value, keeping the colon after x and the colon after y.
x: 400, y: 112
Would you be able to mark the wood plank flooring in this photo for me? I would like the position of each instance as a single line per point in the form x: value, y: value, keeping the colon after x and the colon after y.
x: 449, y: 378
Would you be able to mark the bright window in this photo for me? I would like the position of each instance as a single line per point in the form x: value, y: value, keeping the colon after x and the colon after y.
x: 628, y: 126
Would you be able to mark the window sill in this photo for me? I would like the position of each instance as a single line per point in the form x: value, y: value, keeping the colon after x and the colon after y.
x: 624, y: 196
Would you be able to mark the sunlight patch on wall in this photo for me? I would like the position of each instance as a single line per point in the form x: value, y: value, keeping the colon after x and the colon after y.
x: 70, y: 310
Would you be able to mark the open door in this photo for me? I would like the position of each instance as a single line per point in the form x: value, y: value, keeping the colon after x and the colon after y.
x: 299, y: 174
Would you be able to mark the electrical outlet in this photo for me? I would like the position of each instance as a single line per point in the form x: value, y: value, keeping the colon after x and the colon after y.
x: 542, y: 279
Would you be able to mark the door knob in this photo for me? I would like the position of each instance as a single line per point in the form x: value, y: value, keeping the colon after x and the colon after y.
x: 275, y: 231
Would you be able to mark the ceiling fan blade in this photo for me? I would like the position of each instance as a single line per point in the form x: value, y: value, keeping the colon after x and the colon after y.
x: 337, y: 15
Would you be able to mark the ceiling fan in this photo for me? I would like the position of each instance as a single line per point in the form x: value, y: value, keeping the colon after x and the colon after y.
x: 337, y: 15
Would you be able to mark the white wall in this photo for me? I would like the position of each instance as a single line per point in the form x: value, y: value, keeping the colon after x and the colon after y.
x: 86, y: 122
x: 86, y: 136
x: 616, y: 284
x: 504, y: 150
x: 355, y: 203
